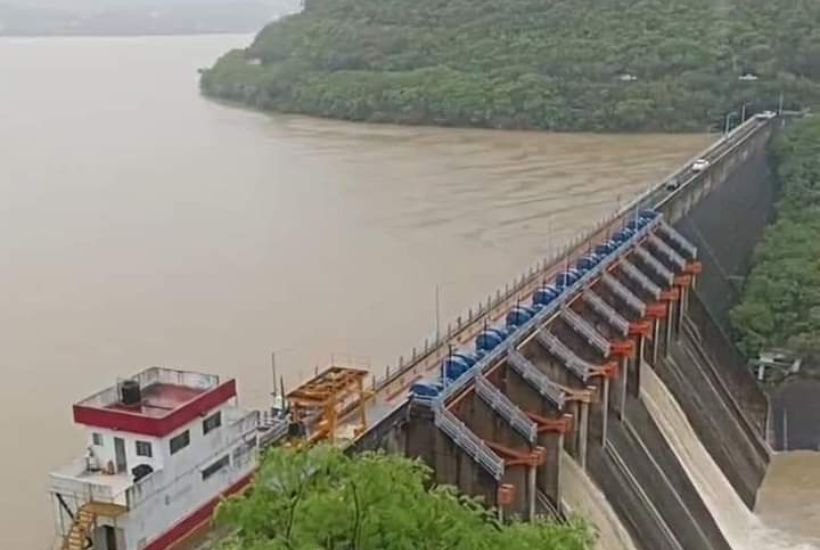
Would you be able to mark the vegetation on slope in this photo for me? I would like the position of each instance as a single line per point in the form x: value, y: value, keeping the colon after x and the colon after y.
x: 780, y: 307
x: 321, y: 498
x: 548, y: 64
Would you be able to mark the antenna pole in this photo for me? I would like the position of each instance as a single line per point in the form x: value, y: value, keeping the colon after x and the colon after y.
x: 438, y: 316
x: 273, y: 371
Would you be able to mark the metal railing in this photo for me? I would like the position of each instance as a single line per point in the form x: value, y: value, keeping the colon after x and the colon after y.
x: 652, y: 263
x: 617, y: 288
x: 508, y: 410
x: 606, y: 311
x: 271, y: 429
x: 631, y: 270
x: 585, y: 329
x: 655, y: 197
x: 529, y: 372
x: 555, y: 346
x: 671, y: 254
x: 547, y: 313
x: 470, y: 443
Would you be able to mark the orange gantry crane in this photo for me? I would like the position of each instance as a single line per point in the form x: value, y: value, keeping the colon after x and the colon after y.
x: 333, y: 395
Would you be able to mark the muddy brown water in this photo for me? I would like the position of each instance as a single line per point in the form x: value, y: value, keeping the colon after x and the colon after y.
x: 143, y: 225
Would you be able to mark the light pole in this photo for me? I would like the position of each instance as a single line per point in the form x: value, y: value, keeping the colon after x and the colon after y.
x: 743, y: 113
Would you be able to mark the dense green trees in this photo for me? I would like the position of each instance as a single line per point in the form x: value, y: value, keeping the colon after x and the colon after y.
x: 781, y: 298
x: 322, y: 499
x: 550, y: 64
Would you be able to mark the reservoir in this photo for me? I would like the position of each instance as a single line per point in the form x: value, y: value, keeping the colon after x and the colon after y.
x: 141, y: 225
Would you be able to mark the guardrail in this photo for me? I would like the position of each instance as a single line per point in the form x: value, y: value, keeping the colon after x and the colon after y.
x: 624, y: 294
x: 546, y: 314
x: 529, y: 372
x: 590, y: 333
x: 668, y: 251
x: 606, y: 311
x: 638, y: 276
x: 469, y: 442
x: 652, y: 263
x: 506, y: 408
x: 656, y: 197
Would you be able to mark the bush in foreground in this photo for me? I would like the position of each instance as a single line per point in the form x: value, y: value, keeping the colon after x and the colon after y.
x: 323, y: 499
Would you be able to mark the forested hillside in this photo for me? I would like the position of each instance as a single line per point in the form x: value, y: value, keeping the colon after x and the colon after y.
x: 781, y: 300
x: 549, y: 64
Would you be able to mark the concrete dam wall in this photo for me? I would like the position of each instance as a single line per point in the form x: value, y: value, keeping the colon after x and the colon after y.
x: 618, y: 395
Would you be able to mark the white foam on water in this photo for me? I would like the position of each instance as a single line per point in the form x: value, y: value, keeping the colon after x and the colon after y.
x: 579, y: 495
x: 741, y: 528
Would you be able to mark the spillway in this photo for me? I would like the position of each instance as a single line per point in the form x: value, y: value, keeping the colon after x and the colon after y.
x: 582, y: 497
x: 741, y: 528
x: 606, y: 384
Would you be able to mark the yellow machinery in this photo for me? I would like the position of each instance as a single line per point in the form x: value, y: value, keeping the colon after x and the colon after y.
x: 334, y: 395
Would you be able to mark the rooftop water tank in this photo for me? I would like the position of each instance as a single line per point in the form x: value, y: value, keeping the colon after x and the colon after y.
x: 130, y: 393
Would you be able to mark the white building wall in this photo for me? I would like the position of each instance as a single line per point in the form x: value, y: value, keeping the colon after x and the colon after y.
x: 169, y: 496
x: 106, y: 453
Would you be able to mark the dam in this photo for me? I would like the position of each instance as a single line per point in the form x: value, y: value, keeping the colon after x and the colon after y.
x: 603, y: 382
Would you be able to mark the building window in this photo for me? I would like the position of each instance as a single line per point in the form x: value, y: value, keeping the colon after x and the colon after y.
x: 97, y: 439
x: 180, y: 441
x: 144, y: 449
x: 215, y: 467
x: 212, y: 422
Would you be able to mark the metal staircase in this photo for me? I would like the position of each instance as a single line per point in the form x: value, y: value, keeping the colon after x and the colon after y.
x: 617, y: 288
x: 555, y: 346
x: 687, y: 248
x: 657, y: 267
x: 585, y: 329
x: 508, y: 410
x: 469, y: 442
x: 85, y: 521
x: 599, y: 306
x: 630, y: 270
x: 548, y: 389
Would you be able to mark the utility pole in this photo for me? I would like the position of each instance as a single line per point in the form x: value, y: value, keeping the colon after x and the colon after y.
x: 438, y: 314
x: 743, y: 113
x: 780, y: 101
x: 728, y: 122
x: 275, y: 392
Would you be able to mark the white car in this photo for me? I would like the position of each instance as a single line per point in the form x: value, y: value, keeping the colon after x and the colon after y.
x: 700, y: 165
x: 765, y: 115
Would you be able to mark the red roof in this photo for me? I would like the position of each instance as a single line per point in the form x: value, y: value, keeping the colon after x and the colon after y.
x: 169, y: 400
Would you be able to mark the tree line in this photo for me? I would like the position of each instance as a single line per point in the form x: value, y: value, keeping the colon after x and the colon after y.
x: 593, y: 65
x: 780, y: 305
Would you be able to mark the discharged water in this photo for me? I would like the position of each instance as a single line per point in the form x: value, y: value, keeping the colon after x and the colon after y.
x: 143, y: 225
x: 741, y: 528
x: 582, y: 497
